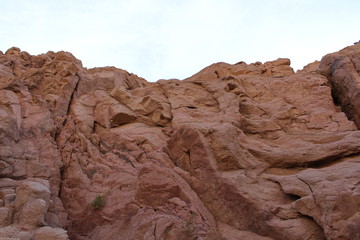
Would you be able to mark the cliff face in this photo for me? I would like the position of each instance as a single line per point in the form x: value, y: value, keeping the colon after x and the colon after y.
x: 243, y: 151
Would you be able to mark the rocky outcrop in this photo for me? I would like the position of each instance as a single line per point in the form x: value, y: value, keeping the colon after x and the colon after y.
x: 243, y: 151
x: 343, y: 71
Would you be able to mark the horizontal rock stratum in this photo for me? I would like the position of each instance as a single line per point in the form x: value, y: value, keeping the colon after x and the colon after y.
x: 244, y: 151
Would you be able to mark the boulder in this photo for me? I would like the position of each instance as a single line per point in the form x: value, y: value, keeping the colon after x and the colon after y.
x: 48, y: 233
x: 5, y: 216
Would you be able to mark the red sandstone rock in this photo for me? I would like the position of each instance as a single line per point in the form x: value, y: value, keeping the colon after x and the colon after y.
x: 243, y: 151
x: 343, y: 71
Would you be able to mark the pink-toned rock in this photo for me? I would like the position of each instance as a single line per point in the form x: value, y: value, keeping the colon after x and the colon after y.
x: 30, y: 190
x: 5, y: 216
x: 154, y: 188
x: 242, y: 151
x: 232, y: 233
x: 329, y: 195
x: 14, y: 233
x: 48, y: 233
x: 343, y: 71
x: 33, y: 213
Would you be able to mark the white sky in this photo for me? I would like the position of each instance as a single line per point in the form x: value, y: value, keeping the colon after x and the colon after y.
x: 161, y: 39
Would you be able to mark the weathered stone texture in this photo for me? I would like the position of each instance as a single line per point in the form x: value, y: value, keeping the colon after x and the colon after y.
x: 242, y: 151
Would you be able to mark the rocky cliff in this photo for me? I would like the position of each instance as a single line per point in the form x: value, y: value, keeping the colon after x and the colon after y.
x: 243, y: 151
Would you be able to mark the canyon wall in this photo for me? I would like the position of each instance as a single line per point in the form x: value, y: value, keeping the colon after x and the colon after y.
x: 243, y: 151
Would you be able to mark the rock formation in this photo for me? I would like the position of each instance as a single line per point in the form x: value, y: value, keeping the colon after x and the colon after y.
x: 243, y: 151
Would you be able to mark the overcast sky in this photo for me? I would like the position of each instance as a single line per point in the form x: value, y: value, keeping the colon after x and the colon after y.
x: 161, y: 39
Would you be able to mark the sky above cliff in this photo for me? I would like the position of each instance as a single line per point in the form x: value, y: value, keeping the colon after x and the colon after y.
x: 161, y: 39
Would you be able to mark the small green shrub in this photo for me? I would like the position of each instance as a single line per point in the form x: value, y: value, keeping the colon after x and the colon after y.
x: 99, y: 202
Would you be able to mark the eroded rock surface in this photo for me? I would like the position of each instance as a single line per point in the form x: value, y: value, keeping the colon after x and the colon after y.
x: 243, y: 151
x: 343, y: 70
